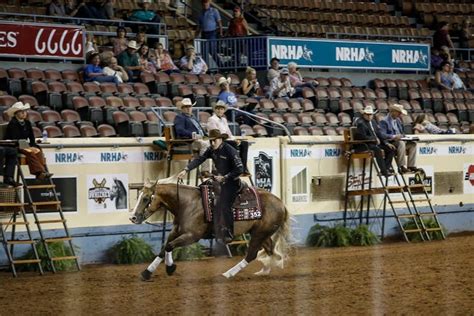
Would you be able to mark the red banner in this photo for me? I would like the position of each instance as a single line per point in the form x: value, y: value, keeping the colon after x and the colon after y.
x: 37, y: 40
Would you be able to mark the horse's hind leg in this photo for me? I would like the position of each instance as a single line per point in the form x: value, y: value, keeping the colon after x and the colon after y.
x: 170, y: 266
x: 254, y: 246
x: 264, y: 256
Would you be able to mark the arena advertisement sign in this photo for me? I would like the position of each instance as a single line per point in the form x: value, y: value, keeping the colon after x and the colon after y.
x: 309, y: 53
x: 66, y: 190
x: 41, y: 40
x: 299, y: 185
x: 107, y: 193
x: 263, y: 164
x: 468, y: 180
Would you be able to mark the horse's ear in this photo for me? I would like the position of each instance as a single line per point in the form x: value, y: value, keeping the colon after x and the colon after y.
x: 147, y: 181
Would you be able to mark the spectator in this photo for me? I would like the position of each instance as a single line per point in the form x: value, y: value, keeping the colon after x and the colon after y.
x: 164, y: 62
x: 114, y: 69
x: 128, y: 59
x: 219, y: 121
x: 422, y: 125
x: 8, y: 161
x: 209, y: 22
x: 141, y: 38
x: 446, y: 54
x: 91, y: 44
x: 226, y: 96
x: 457, y: 82
x: 143, y: 59
x: 94, y: 72
x: 120, y: 42
x: 108, y: 7
x: 250, y: 86
x: 441, y: 37
x: 193, y: 63
x: 185, y: 124
x: 72, y: 9
x: 238, y: 25
x: 297, y: 80
x: 444, y: 78
x: 391, y: 130
x: 436, y: 59
x: 55, y: 8
x: 274, y: 71
x: 280, y: 87
x: 143, y: 14
x: 465, y: 35
x: 368, y: 130
x: 20, y: 128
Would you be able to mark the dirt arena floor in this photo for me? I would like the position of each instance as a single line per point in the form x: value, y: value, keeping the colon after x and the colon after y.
x: 432, y: 278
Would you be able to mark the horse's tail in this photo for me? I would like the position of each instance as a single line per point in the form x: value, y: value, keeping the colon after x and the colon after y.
x: 281, y: 241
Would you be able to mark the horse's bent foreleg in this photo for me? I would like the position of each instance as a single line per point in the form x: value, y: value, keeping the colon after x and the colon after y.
x: 264, y: 255
x: 254, y: 245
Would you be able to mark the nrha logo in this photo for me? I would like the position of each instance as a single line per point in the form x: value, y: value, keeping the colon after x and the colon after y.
x: 294, y: 52
x: 354, y: 54
x: 408, y: 56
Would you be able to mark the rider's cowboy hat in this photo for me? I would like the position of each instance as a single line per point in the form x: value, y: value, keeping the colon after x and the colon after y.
x: 398, y: 108
x: 184, y: 102
x: 368, y: 110
x: 132, y: 44
x: 223, y: 80
x: 215, y: 133
x: 220, y: 104
x: 18, y: 106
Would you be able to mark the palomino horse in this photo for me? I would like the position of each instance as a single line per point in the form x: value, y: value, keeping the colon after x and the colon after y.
x: 271, y: 232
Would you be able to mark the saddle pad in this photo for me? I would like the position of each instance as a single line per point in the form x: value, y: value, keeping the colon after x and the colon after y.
x: 246, y: 206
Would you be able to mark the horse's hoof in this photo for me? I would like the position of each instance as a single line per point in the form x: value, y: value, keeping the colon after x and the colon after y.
x: 227, y: 275
x: 170, y: 269
x: 146, y: 275
x: 264, y: 271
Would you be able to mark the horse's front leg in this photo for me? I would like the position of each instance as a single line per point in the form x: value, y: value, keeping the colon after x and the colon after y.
x: 168, y: 256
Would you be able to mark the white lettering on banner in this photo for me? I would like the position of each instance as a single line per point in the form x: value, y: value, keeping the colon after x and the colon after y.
x: 8, y: 39
x: 294, y: 52
x: 354, y: 54
x: 64, y: 45
x: 408, y: 56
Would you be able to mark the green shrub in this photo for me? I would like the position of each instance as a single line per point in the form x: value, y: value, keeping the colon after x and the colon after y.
x: 189, y: 253
x: 130, y: 251
x: 323, y: 236
x: 56, y: 249
x: 429, y: 223
x: 362, y: 236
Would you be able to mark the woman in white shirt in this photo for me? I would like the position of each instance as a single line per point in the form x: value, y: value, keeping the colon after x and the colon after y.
x: 219, y: 121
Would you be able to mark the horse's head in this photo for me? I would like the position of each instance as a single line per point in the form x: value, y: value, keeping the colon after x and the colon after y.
x: 142, y: 209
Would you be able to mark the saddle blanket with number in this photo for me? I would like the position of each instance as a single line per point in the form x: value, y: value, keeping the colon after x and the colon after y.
x: 246, y: 207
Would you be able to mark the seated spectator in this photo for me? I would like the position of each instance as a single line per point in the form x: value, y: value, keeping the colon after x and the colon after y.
x: 91, y: 44
x: 185, y: 124
x: 8, y: 161
x: 143, y: 59
x: 226, y: 96
x: 457, y: 82
x: 128, y: 59
x: 368, y: 130
x: 94, y: 72
x: 297, y: 80
x: 55, y: 8
x: 120, y: 43
x: 19, y: 128
x: 219, y: 121
x: 444, y: 78
x: 422, y: 125
x: 280, y: 87
x: 193, y: 63
x: 436, y: 59
x: 274, y: 71
x: 164, y: 62
x: 114, y: 69
x: 141, y: 39
x: 250, y: 86
x: 238, y: 25
x: 143, y: 14
x: 109, y: 11
x: 446, y: 54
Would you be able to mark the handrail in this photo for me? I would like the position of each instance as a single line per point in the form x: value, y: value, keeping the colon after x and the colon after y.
x: 266, y: 120
x: 337, y: 34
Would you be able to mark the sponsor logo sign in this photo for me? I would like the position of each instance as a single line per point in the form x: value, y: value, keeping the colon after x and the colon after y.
x: 468, y: 180
x: 36, y: 40
x: 263, y: 171
x: 107, y: 193
x: 299, y: 185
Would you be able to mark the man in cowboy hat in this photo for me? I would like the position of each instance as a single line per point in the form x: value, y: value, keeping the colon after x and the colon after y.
x: 20, y: 128
x: 186, y: 125
x: 392, y: 130
x: 193, y: 63
x: 219, y: 121
x: 368, y: 130
x: 128, y: 59
x: 229, y: 167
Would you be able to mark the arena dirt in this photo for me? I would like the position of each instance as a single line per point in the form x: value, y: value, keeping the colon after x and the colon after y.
x: 433, y: 278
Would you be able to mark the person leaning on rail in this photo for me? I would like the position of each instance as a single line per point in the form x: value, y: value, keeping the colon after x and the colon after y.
x: 20, y: 128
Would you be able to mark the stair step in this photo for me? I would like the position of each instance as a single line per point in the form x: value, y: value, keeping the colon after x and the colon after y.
x: 50, y: 240
x: 238, y: 242
x: 407, y: 216
x: 416, y: 230
x: 64, y: 258
x: 414, y: 186
x: 433, y: 229
x: 20, y: 242
x: 428, y: 214
x: 46, y: 203
x: 14, y: 223
x: 51, y: 221
x: 408, y: 201
x: 25, y: 261
x: 12, y: 204
x: 41, y: 186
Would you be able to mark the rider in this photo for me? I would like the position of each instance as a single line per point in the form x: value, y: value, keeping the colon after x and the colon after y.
x: 229, y: 167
